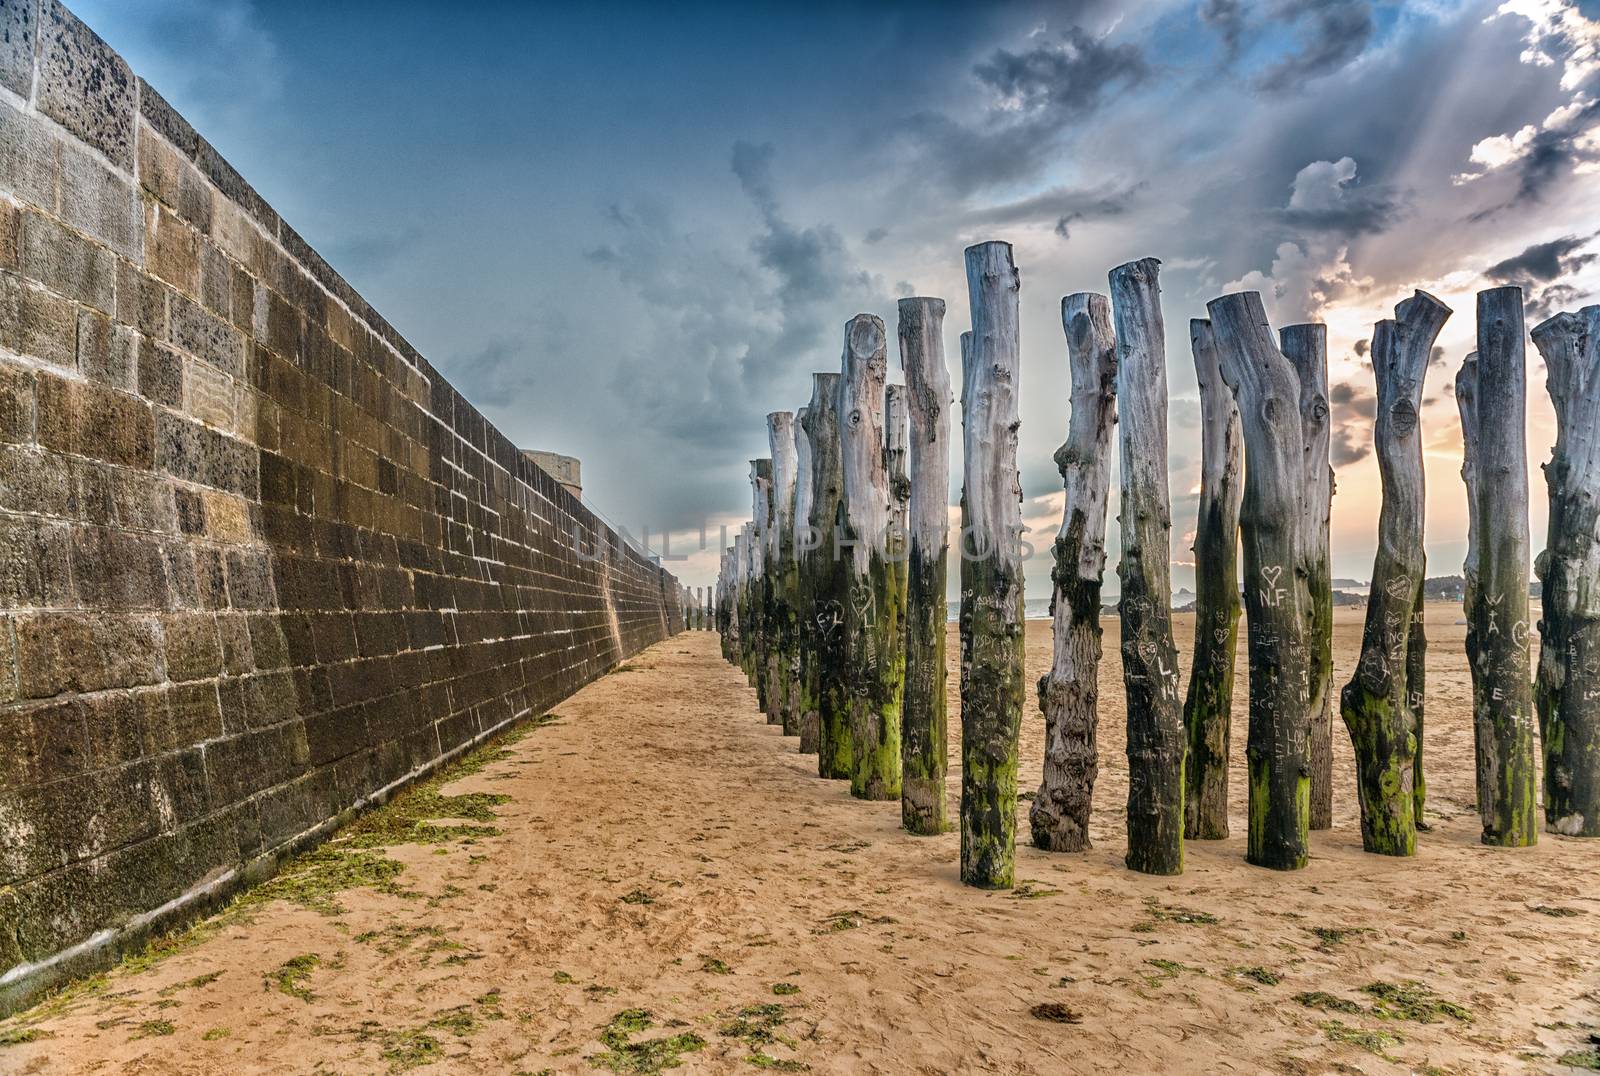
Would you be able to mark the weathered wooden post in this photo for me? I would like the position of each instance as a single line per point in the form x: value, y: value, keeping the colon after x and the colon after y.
x: 1069, y: 693
x: 804, y: 541
x: 992, y: 686
x: 1149, y: 658
x: 1497, y: 608
x: 1375, y: 704
x: 782, y: 703
x: 1568, y: 690
x: 924, y: 734
x: 762, y: 505
x: 873, y: 638
x: 828, y: 578
x: 1207, y: 708
x: 896, y: 448
x: 1306, y: 348
x: 1270, y: 517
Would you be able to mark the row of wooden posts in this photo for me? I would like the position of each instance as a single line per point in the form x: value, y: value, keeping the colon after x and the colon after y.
x: 832, y: 598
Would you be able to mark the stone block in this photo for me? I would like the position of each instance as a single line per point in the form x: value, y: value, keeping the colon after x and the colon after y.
x: 141, y: 301
x: 192, y: 645
x: 208, y: 395
x: 100, y: 202
x: 160, y: 373
x: 91, y: 420
x: 115, y: 570
x: 173, y: 179
x: 59, y: 652
x: 194, y: 716
x: 45, y: 326
x: 29, y: 158
x: 85, y: 86
x: 144, y: 502
x: 206, y: 336
x: 172, y: 248
x: 19, y: 25
x: 67, y: 263
x: 16, y: 404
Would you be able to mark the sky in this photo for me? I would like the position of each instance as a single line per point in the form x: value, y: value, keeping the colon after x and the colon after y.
x: 627, y: 232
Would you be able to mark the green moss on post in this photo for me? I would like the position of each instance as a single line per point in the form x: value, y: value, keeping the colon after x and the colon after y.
x: 1375, y: 704
x: 873, y: 639
x: 992, y: 684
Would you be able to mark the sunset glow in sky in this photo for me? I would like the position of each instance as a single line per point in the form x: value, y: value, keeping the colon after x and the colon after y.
x: 628, y: 232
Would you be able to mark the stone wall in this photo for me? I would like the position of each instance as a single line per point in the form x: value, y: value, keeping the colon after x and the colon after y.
x: 260, y: 564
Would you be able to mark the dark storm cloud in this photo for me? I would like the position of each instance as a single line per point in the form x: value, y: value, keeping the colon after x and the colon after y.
x: 1539, y: 270
x: 1351, y: 409
x: 1066, y: 78
x: 1542, y: 261
x: 1039, y: 94
x: 1332, y: 33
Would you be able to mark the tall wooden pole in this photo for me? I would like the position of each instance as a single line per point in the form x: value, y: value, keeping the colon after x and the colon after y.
x: 873, y: 638
x: 762, y: 505
x: 1069, y: 693
x: 1270, y: 517
x: 992, y: 687
x: 783, y: 704
x: 1306, y: 348
x: 826, y: 690
x: 1497, y: 618
x: 1375, y: 704
x: 1149, y: 659
x: 1208, y: 706
x: 804, y: 541
x: 1568, y: 690
x: 924, y: 734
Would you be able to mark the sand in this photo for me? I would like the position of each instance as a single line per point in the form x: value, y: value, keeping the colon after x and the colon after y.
x: 664, y: 849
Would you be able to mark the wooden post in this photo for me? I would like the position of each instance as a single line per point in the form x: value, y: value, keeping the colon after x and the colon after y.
x: 1149, y: 658
x: 1207, y: 708
x: 803, y: 543
x: 924, y: 734
x: 782, y: 703
x: 761, y: 597
x: 1375, y: 704
x: 1069, y: 693
x: 1497, y: 615
x: 1569, y: 655
x: 1306, y: 348
x: 1270, y: 516
x: 874, y: 657
x: 825, y: 727
x: 992, y: 686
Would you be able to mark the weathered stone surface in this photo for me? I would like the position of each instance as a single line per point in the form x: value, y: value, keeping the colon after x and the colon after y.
x: 88, y: 419
x: 100, y: 202
x: 29, y: 157
x: 67, y: 263
x: 19, y: 24
x: 85, y: 86
x: 16, y: 404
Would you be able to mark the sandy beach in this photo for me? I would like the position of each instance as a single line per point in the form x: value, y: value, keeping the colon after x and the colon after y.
x: 667, y: 881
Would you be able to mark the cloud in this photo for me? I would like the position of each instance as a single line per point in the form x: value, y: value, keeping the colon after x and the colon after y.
x: 728, y: 328
x: 1325, y: 198
x: 1036, y: 95
x: 1066, y: 78
x: 1306, y: 277
x: 1542, y: 261
x: 1227, y: 18
x: 1332, y: 34
x: 1351, y: 411
x: 1062, y: 205
x: 1539, y: 270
